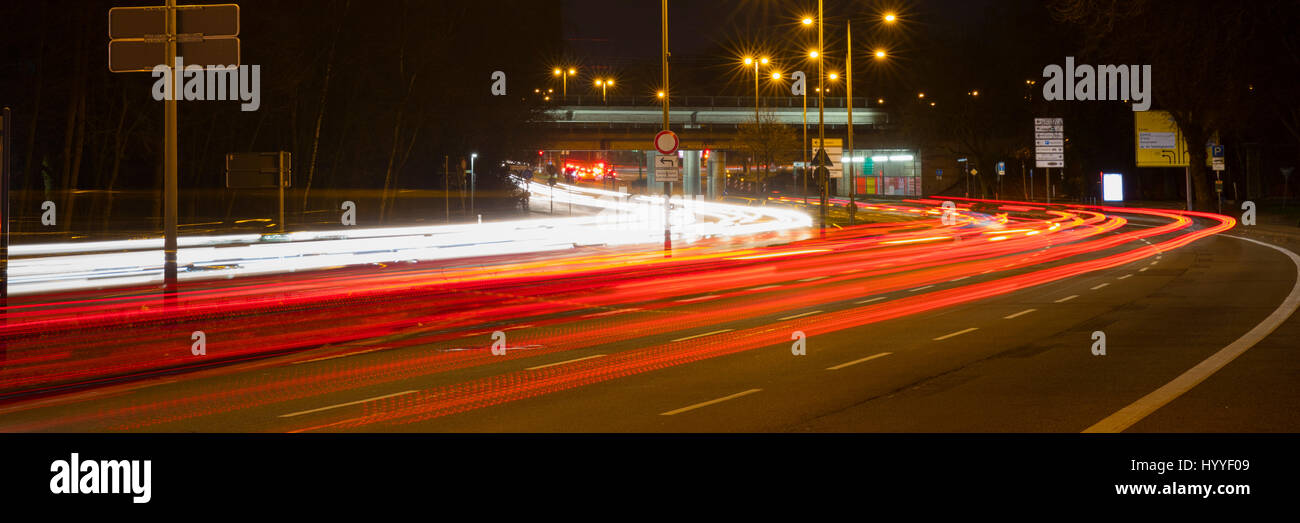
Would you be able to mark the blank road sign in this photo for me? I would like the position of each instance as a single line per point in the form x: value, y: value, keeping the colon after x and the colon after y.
x: 206, y: 20
x: 139, y: 56
x: 257, y: 170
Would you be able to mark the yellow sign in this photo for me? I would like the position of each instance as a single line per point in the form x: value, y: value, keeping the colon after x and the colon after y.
x: 1159, y: 143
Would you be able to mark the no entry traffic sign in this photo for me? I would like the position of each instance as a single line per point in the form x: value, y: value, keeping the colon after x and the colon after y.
x: 666, y: 142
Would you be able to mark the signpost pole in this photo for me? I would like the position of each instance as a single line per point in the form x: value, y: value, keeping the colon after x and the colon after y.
x: 6, y: 143
x: 283, y: 176
x: 823, y: 177
x: 1187, y: 171
x: 169, y: 162
x: 848, y: 79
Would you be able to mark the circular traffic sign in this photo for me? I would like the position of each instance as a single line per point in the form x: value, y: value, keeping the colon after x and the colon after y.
x: 666, y: 142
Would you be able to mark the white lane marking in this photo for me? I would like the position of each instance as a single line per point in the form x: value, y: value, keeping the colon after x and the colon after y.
x: 710, y: 402
x: 920, y: 288
x: 290, y: 415
x: 799, y: 315
x: 878, y: 298
x: 1153, y: 263
x: 1018, y: 314
x: 702, y: 335
x: 606, y: 313
x: 1067, y: 298
x: 1098, y: 287
x: 1144, y: 269
x: 340, y: 355
x: 959, y: 279
x: 563, y: 362
x: 700, y: 298
x: 763, y: 288
x: 958, y: 333
x: 1126, y: 276
x: 855, y: 362
x: 1143, y: 407
x: 852, y: 271
x: 814, y: 278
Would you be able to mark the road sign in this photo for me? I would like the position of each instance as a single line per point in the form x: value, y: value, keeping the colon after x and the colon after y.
x: 938, y: 173
x: 206, y: 36
x: 1049, y: 143
x: 830, y: 155
x: 197, y: 20
x: 666, y: 168
x: 666, y: 142
x: 258, y: 170
x: 141, y: 56
x: 1002, y: 168
x: 1218, y: 186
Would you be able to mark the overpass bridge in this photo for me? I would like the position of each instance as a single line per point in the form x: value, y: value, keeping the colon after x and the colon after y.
x: 702, y: 122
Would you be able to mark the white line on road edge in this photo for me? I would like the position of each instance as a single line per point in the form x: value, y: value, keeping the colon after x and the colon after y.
x: 710, y: 402
x: 799, y: 315
x: 1067, y: 298
x: 702, y: 335
x: 563, y: 362
x: 878, y: 298
x: 340, y: 355
x: 1127, y: 416
x: 855, y: 362
x: 1018, y: 314
x: 1100, y: 286
x: 700, y: 298
x: 347, y: 404
x: 958, y: 333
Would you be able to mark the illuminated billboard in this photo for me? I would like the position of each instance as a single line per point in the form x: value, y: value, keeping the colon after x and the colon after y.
x: 1112, y: 187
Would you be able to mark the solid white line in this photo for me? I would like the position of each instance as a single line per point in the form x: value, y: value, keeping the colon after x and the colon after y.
x: 799, y: 315
x: 340, y: 355
x: 958, y: 333
x: 563, y: 362
x: 710, y: 402
x: 1018, y: 314
x: 702, y: 335
x: 701, y: 298
x: 920, y: 288
x: 1126, y: 276
x: 814, y: 278
x: 347, y: 404
x: 1100, y: 286
x: 1067, y: 298
x: 1127, y: 416
x: 855, y: 362
x: 878, y: 298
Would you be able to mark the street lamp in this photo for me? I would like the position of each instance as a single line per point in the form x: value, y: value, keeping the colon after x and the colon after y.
x: 751, y: 61
x: 604, y: 84
x: 564, y: 78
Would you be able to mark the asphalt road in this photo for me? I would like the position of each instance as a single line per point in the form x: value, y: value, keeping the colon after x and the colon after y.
x: 1016, y: 361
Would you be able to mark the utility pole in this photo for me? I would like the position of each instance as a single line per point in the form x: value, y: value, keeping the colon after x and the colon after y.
x: 805, y: 139
x: 668, y: 186
x: 848, y: 63
x: 6, y: 153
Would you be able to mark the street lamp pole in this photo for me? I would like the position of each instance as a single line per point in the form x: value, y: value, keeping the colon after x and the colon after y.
x: 848, y: 62
x: 821, y: 111
x: 473, y: 181
x: 668, y: 190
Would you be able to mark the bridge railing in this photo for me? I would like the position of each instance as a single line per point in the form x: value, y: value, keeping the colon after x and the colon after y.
x: 708, y: 101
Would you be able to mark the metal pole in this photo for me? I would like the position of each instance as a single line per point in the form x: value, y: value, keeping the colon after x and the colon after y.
x: 1047, y: 183
x: 6, y: 146
x: 446, y: 186
x: 668, y: 187
x: 848, y: 78
x: 473, y: 181
x: 283, y: 177
x: 755, y: 91
x: 1188, y: 174
x: 169, y: 162
x: 805, y: 140
x: 821, y: 112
